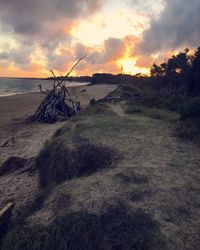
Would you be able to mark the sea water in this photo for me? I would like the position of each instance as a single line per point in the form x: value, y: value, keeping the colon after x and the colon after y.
x: 12, y: 86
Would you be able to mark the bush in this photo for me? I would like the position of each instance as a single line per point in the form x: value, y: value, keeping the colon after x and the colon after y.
x: 191, y: 109
x: 57, y: 163
x: 189, y: 129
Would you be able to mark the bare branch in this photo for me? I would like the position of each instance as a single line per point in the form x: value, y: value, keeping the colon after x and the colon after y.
x: 55, y: 79
x: 65, y: 77
x: 42, y: 91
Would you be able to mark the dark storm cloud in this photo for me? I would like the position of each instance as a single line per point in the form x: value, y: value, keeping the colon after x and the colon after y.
x: 177, y: 26
x: 33, y: 16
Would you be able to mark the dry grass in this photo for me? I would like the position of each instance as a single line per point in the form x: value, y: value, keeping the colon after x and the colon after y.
x: 12, y: 164
x: 158, y: 174
x: 57, y: 163
x: 115, y: 229
x: 155, y: 113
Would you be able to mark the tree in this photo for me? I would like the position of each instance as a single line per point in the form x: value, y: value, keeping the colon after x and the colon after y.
x: 195, y: 83
x: 158, y: 71
x: 176, y: 72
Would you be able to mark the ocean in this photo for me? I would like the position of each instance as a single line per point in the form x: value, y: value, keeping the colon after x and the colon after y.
x: 13, y: 86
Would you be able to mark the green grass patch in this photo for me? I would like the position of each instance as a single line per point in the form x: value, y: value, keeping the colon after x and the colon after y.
x: 155, y: 113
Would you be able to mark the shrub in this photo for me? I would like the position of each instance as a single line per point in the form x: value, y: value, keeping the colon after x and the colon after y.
x: 189, y: 129
x: 57, y: 163
x: 191, y: 109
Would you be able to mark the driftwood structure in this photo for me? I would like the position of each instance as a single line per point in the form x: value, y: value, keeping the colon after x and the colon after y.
x: 58, y: 104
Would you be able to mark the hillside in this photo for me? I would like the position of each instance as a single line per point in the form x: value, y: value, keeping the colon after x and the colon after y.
x: 144, y: 195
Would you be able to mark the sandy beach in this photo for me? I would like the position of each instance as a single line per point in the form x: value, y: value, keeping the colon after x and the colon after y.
x: 20, y: 137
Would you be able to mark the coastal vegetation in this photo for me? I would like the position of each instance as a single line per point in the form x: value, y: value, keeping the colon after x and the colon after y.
x: 57, y: 163
x: 120, y: 174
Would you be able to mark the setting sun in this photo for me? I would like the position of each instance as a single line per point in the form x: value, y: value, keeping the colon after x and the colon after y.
x: 128, y: 64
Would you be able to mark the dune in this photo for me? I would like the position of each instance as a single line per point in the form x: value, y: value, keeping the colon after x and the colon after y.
x: 22, y: 138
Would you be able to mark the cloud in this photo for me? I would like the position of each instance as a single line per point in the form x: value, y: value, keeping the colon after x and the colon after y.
x: 20, y: 57
x: 112, y: 49
x: 43, y: 25
x: 30, y: 17
x: 59, y: 62
x: 177, y: 26
x: 150, y: 7
x: 101, y: 58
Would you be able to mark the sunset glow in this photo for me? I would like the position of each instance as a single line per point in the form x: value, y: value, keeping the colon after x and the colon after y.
x: 129, y: 64
x: 111, y: 33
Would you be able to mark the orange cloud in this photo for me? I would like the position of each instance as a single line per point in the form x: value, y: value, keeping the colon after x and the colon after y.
x: 60, y: 33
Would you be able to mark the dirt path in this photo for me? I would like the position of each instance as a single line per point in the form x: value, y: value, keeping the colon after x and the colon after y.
x: 173, y: 168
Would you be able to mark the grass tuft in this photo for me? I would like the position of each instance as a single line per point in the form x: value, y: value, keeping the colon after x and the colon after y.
x: 57, y: 163
x: 115, y: 229
x: 12, y: 164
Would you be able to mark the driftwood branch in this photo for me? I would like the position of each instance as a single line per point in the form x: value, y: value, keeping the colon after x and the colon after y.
x: 73, y: 67
x: 55, y: 79
x: 42, y: 91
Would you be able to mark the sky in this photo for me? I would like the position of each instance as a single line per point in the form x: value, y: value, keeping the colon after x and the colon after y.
x: 39, y: 35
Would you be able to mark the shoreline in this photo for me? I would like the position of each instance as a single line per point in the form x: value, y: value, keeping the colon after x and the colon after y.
x: 71, y: 85
x: 21, y: 138
x: 21, y: 93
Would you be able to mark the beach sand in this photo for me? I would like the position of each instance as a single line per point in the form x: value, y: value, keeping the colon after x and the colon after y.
x: 20, y: 137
